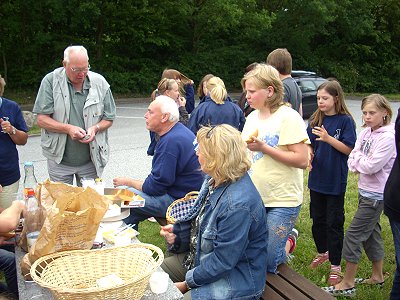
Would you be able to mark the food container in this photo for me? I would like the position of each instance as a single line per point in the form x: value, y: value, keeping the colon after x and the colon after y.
x: 74, y: 274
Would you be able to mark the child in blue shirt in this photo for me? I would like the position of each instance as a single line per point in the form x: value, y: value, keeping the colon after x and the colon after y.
x: 332, y: 134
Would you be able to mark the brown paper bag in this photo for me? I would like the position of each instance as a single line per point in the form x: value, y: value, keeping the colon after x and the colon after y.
x: 73, y: 215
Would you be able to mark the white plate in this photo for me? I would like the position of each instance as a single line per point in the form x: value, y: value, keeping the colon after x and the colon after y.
x: 111, y: 225
x: 125, y: 212
x: 113, y: 211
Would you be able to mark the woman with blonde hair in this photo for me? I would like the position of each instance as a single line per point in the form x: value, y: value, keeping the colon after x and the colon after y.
x: 185, y: 86
x: 220, y: 245
x: 277, y: 140
x: 216, y: 108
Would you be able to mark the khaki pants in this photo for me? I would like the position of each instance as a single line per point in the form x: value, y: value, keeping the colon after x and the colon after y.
x: 173, y: 266
x: 9, y: 194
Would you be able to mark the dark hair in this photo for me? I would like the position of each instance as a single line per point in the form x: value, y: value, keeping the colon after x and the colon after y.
x: 175, y: 74
x: 281, y: 59
x: 200, y: 92
x: 333, y: 88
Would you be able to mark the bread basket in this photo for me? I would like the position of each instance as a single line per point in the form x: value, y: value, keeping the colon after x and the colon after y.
x: 73, y: 274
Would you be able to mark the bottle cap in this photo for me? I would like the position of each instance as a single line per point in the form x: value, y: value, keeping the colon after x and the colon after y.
x: 31, y: 192
x: 28, y: 163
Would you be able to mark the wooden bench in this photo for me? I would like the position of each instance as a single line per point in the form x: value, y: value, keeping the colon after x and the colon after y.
x: 288, y: 284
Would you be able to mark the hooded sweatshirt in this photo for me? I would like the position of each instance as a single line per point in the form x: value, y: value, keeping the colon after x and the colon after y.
x: 373, y: 157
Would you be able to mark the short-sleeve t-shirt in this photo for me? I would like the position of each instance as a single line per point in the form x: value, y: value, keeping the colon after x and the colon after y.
x: 293, y: 93
x: 9, y: 161
x: 329, y: 166
x: 278, y: 184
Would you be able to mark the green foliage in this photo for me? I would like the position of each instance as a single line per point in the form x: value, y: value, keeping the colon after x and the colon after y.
x: 131, y: 42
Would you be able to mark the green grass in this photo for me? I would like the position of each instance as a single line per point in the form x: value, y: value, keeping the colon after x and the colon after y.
x: 34, y: 130
x: 305, y: 251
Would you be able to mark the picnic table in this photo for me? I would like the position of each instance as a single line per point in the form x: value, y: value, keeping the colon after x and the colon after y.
x: 31, y: 290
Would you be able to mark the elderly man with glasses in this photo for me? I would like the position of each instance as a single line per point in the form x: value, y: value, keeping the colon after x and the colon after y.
x: 175, y: 169
x: 75, y: 108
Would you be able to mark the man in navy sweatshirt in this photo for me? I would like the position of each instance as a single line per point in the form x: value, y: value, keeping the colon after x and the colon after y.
x: 175, y: 166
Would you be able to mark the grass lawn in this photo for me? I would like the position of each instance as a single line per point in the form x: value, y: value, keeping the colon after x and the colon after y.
x: 305, y: 251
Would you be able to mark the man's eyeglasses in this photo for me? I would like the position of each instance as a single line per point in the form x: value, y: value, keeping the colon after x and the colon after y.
x: 80, y: 70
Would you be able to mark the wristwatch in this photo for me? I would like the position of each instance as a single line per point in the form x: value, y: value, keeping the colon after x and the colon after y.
x: 13, y: 131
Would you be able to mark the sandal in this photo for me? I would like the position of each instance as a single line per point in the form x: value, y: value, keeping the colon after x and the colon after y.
x: 335, y: 277
x: 350, y: 292
x: 319, y: 260
x: 369, y: 281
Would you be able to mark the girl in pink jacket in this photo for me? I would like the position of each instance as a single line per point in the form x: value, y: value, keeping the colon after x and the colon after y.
x: 372, y: 158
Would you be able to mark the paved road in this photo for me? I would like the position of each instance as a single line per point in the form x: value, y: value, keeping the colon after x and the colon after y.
x: 129, y: 140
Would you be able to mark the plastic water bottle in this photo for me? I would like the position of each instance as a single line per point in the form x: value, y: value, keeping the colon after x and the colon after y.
x: 32, y: 218
x: 30, y: 181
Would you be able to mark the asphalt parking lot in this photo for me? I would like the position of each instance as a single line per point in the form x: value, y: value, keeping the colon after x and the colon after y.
x: 129, y: 139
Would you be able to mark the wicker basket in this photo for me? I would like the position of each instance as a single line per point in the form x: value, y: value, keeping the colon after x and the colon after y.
x: 179, y: 208
x: 73, y: 274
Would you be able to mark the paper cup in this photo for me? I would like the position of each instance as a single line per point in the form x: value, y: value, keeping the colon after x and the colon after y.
x: 159, y: 282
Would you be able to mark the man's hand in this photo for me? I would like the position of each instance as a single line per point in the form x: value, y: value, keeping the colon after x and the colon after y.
x: 182, y: 287
x: 76, y: 133
x: 9, y: 218
x: 166, y: 232
x: 121, y: 180
x: 6, y: 126
x: 90, y: 134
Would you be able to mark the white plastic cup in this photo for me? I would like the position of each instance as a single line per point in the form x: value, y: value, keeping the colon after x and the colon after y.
x: 159, y: 282
x: 31, y: 238
x: 99, y: 188
x: 87, y: 182
x: 99, y: 236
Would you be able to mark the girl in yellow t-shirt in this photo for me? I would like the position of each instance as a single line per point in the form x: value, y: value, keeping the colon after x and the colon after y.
x: 278, y: 154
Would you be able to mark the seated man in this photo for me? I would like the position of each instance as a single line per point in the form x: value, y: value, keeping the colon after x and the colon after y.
x: 175, y: 167
x: 9, y: 219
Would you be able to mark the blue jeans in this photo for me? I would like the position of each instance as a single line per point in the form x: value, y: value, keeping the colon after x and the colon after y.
x: 395, y: 225
x: 155, y: 206
x: 7, y: 265
x: 280, y: 222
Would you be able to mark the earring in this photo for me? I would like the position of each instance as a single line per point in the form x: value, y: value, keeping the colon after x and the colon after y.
x: 384, y: 118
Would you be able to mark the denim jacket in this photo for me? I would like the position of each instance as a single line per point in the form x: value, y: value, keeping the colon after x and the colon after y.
x: 231, y: 252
